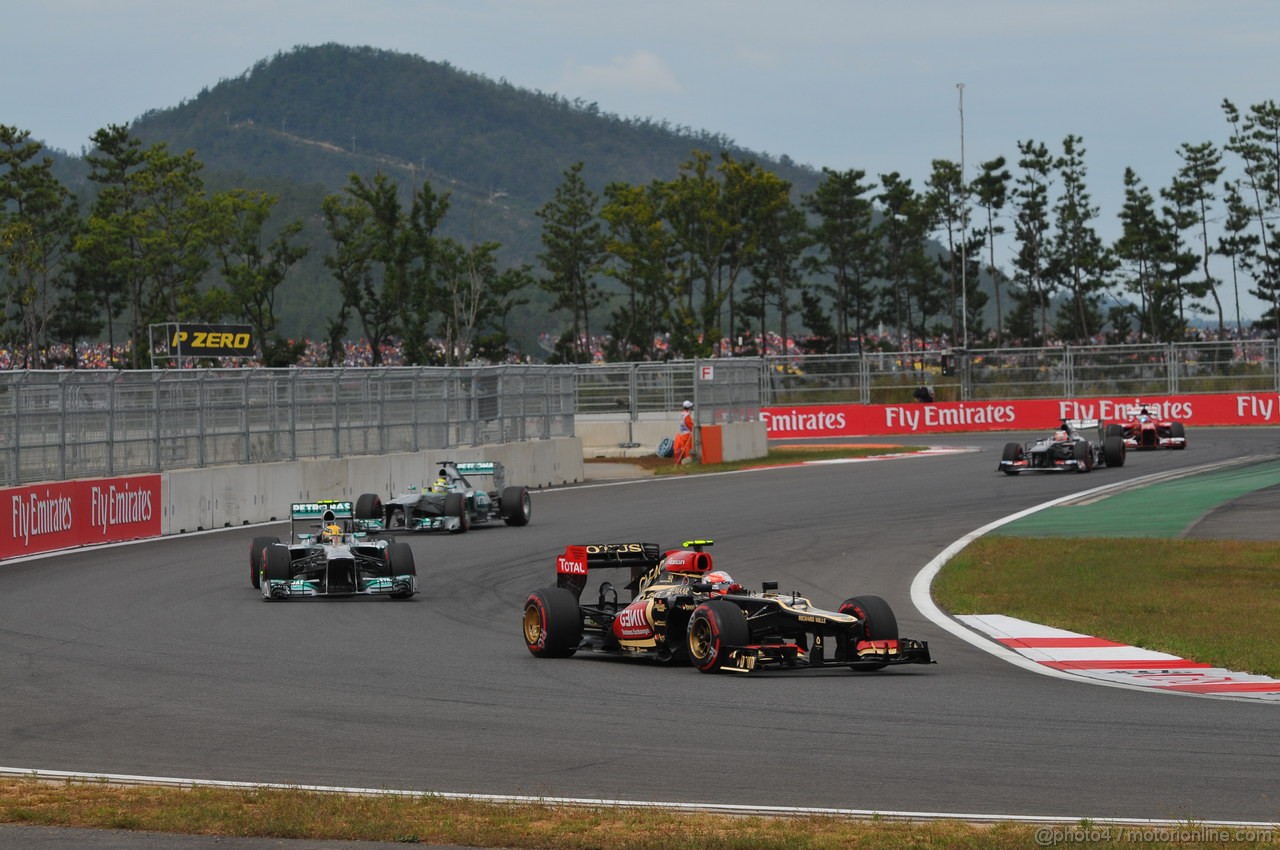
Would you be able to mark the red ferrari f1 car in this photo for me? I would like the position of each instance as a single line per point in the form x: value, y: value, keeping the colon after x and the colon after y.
x: 682, y: 610
x: 1146, y: 429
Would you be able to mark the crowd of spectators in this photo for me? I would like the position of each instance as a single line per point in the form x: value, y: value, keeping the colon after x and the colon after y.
x: 356, y: 353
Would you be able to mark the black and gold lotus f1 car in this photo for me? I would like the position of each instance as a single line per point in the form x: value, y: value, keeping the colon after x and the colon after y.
x: 680, y: 609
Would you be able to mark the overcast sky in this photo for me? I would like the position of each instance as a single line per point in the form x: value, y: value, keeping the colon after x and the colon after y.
x: 836, y: 83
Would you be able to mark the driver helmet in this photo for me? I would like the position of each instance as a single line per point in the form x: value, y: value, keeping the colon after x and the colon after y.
x: 441, y: 485
x: 1060, y: 435
x: 330, y: 532
x: 721, y: 582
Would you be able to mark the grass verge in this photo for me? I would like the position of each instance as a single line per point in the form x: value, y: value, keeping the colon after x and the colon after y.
x: 430, y: 820
x: 1206, y: 600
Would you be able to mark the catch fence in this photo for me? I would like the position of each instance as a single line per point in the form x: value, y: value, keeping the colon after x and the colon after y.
x: 62, y: 425
x: 1105, y: 371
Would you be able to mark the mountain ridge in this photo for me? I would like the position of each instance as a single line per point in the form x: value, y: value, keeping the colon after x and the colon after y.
x: 302, y: 122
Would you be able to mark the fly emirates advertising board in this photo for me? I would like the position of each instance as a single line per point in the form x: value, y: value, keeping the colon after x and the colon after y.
x: 851, y: 420
x: 45, y: 517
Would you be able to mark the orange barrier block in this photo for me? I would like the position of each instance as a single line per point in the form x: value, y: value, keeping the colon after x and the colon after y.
x: 712, y: 444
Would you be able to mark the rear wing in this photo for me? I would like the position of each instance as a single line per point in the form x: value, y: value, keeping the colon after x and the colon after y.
x: 577, y: 561
x: 313, y: 514
x: 1079, y: 426
x: 461, y: 469
x: 316, y: 510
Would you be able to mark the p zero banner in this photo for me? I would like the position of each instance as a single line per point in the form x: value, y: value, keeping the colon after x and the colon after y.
x: 850, y: 420
x: 45, y: 517
x: 192, y: 340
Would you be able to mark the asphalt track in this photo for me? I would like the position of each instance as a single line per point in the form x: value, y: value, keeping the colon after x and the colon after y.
x: 160, y: 660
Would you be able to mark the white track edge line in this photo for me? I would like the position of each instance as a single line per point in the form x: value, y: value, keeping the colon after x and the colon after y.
x: 922, y: 598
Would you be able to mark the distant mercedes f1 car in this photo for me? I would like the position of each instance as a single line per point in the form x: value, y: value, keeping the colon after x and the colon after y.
x: 1147, y: 430
x: 326, y: 556
x: 450, y: 504
x: 1078, y: 445
x: 682, y: 610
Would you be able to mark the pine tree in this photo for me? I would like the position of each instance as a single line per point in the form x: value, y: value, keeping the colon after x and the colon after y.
x: 574, y: 250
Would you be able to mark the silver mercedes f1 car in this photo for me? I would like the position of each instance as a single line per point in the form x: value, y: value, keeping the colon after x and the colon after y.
x: 327, y: 556
x: 451, y: 503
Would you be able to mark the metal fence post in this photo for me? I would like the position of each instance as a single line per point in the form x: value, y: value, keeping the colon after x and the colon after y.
x: 62, y: 426
x: 1068, y: 375
x: 200, y: 418
x: 244, y: 416
x: 112, y: 407
x: 337, y: 413
x: 158, y: 465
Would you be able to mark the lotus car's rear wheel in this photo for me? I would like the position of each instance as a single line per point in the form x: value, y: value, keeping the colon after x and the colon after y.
x: 1012, y: 453
x: 1113, y: 451
x: 552, y: 623
x: 878, y: 624
x: 400, y: 563
x: 455, y: 505
x: 517, y: 507
x: 716, y: 627
x: 255, y: 557
x: 369, y: 506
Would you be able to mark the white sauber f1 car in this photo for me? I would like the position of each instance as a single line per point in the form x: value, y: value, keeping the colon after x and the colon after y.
x: 1078, y: 445
x: 326, y: 556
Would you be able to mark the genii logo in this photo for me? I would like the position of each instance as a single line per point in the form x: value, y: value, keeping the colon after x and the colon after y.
x: 633, y: 622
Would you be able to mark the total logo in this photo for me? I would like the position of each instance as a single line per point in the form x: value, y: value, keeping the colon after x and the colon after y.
x: 569, y: 566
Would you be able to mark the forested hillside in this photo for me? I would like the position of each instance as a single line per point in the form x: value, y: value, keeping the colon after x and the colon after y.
x: 340, y: 193
x: 299, y: 124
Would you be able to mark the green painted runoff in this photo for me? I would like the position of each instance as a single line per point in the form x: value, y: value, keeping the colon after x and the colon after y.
x: 1163, y: 509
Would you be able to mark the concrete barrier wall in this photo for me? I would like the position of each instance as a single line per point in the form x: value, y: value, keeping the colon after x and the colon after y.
x: 603, y: 437
x: 218, y: 497
x: 608, y: 437
x: 744, y: 440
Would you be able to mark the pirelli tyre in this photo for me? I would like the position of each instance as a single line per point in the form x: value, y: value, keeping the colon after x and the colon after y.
x: 1114, y: 430
x: 255, y: 558
x: 455, y: 505
x: 715, y: 628
x: 878, y: 624
x: 369, y: 506
x: 277, y: 563
x: 517, y: 507
x: 1113, y: 451
x: 552, y: 623
x: 1083, y: 454
x: 400, y: 563
x: 1012, y: 453
x: 1179, y: 432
